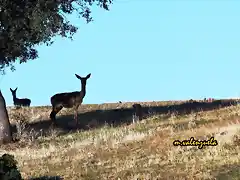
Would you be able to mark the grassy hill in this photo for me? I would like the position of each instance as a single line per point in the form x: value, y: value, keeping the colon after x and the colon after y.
x: 106, y: 145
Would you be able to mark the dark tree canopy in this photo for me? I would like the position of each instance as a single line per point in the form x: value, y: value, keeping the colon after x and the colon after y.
x: 27, y: 23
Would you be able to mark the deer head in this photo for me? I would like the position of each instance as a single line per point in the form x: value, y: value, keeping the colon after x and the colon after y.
x: 83, y: 79
x: 14, y: 91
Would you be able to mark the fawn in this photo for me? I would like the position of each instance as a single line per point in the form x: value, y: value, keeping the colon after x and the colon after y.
x: 19, y: 102
x: 69, y: 99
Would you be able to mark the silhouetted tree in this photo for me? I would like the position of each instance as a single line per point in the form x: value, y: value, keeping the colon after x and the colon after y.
x: 27, y: 23
x: 5, y: 130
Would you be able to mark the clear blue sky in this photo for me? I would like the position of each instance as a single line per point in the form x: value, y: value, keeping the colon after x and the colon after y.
x: 141, y: 50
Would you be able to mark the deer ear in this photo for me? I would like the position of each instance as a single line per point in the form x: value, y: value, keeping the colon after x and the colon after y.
x: 88, y: 76
x: 11, y: 89
x: 16, y: 88
x: 79, y: 77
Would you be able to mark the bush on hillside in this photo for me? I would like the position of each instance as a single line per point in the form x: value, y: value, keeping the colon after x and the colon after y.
x: 8, y: 168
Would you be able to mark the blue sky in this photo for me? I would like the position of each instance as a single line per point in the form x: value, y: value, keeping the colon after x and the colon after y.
x: 140, y: 51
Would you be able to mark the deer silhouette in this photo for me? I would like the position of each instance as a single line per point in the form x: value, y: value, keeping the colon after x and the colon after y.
x: 20, y: 102
x: 69, y: 99
x: 138, y: 111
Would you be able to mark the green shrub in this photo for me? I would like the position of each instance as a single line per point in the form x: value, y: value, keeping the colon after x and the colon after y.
x: 8, y: 168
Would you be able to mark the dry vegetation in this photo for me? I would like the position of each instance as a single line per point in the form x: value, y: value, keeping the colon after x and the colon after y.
x: 138, y: 151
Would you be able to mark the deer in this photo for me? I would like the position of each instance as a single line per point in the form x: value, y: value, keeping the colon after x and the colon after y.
x: 19, y: 102
x: 69, y: 100
x: 138, y: 111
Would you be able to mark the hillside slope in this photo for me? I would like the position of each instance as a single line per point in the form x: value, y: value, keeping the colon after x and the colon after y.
x: 143, y: 150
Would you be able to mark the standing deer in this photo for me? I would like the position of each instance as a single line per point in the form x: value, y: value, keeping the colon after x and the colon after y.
x: 69, y: 99
x: 19, y: 102
x: 138, y: 111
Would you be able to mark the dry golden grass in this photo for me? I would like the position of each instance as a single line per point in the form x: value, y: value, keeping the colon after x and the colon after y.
x: 139, y: 151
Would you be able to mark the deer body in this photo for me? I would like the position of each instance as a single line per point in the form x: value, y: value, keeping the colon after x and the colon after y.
x: 69, y: 99
x: 19, y: 102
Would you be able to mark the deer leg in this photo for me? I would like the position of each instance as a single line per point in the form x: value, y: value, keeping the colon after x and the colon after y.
x: 76, y: 115
x: 54, y: 112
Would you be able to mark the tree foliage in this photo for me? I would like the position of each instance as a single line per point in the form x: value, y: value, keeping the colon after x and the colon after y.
x: 27, y: 23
